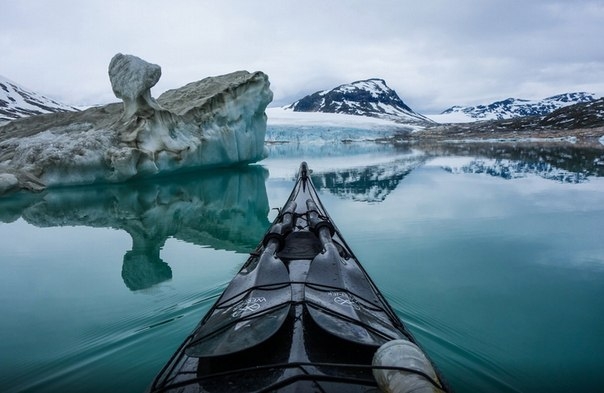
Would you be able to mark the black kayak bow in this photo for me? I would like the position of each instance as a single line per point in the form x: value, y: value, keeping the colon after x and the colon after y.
x: 338, y: 295
x: 301, y: 315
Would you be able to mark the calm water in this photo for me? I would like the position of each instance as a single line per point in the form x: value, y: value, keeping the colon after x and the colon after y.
x: 494, y: 257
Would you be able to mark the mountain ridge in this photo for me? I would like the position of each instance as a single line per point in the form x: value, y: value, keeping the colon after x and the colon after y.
x: 517, y: 107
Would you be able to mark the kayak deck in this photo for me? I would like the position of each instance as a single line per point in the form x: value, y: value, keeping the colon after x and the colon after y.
x: 301, y: 315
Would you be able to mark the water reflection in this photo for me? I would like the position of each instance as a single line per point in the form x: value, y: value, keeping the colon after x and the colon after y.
x: 374, y: 182
x: 565, y: 164
x: 508, y: 169
x: 370, y: 183
x: 224, y: 209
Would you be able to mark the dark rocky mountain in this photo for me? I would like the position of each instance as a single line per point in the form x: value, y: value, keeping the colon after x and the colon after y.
x: 514, y: 107
x: 584, y: 115
x: 371, y: 97
x: 17, y: 102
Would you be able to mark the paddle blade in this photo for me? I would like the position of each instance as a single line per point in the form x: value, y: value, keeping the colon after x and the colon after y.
x: 240, y: 334
x: 250, y: 311
x: 342, y: 301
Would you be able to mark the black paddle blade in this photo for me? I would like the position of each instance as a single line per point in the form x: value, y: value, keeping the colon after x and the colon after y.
x: 342, y: 302
x: 249, y: 312
x: 240, y: 335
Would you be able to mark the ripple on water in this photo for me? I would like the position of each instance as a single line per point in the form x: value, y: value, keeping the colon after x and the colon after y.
x: 135, y: 343
x: 467, y: 359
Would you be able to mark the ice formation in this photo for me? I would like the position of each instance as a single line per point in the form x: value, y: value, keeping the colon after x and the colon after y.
x: 132, y: 79
x: 218, y: 121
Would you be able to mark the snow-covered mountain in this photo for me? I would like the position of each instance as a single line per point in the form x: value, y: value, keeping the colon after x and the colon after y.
x: 513, y: 107
x: 371, y: 97
x: 16, y: 102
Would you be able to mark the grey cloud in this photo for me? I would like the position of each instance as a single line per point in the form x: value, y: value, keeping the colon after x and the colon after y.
x: 434, y: 53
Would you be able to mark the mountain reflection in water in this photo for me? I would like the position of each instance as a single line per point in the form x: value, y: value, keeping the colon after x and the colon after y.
x: 226, y: 209
x: 565, y: 164
x: 373, y: 182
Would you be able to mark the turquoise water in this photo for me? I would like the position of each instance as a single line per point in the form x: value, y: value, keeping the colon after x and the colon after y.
x: 493, y: 256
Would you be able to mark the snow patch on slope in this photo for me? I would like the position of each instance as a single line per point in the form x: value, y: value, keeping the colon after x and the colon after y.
x: 17, y: 102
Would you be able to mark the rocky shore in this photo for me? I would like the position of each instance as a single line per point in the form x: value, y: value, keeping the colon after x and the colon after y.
x: 461, y: 134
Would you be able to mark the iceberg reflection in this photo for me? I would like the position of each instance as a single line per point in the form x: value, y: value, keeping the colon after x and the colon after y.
x: 226, y: 209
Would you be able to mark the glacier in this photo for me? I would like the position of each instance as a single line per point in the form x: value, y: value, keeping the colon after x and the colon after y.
x: 315, y: 129
x: 217, y: 121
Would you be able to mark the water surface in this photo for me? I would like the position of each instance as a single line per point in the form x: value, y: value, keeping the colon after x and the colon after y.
x: 493, y: 256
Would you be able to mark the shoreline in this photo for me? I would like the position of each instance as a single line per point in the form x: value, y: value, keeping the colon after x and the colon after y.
x: 453, y: 134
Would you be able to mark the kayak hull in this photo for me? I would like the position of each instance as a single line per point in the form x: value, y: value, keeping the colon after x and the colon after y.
x: 302, y: 315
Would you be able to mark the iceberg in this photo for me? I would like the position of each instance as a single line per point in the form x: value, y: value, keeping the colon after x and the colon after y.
x: 215, y: 122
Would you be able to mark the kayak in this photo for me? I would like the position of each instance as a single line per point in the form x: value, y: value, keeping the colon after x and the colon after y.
x: 302, y: 315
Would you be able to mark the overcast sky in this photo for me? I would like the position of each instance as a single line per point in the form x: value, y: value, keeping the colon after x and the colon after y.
x: 434, y: 53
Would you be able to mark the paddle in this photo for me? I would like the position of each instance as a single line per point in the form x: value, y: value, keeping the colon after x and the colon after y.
x: 340, y: 298
x: 254, y: 305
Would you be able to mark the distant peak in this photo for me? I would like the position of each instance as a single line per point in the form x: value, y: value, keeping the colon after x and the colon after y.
x: 576, y: 96
x: 371, y: 83
x: 374, y: 80
x: 368, y: 97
